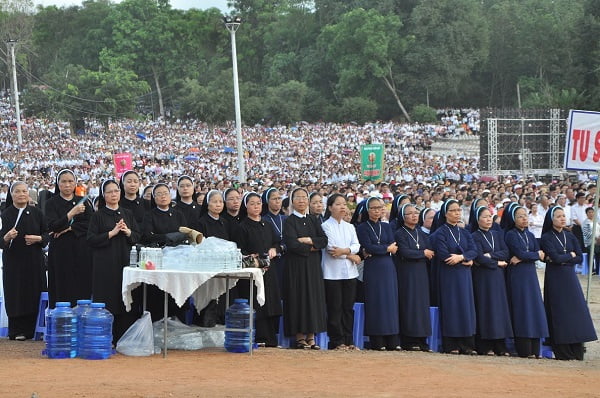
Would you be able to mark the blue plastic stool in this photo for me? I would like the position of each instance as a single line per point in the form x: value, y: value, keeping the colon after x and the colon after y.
x: 434, y: 341
x: 4, y: 330
x: 358, y: 328
x: 322, y: 340
x: 583, y: 268
x: 40, y: 326
x: 283, y: 341
x: 189, y: 314
x: 546, y: 350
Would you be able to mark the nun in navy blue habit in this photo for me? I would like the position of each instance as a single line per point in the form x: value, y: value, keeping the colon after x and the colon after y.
x: 569, y: 320
x: 454, y: 253
x: 271, y: 214
x: 522, y: 286
x: 397, y: 203
x: 413, y: 281
x: 379, y: 278
x: 489, y: 286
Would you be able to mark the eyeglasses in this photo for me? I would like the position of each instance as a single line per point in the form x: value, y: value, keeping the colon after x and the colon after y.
x: 161, y: 194
x: 234, y: 199
x: 300, y: 197
x: 375, y: 207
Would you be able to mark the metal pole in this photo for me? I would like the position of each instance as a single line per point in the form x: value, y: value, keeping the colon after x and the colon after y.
x: 592, y: 246
x: 232, y: 28
x: 11, y: 46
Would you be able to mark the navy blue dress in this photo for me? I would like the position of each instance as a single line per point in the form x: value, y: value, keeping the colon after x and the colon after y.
x: 455, y: 284
x: 380, y: 280
x: 413, y: 282
x: 489, y: 286
x: 524, y: 296
x: 568, y: 316
x: 278, y: 263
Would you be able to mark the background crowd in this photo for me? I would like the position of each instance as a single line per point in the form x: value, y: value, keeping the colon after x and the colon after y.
x: 302, y: 215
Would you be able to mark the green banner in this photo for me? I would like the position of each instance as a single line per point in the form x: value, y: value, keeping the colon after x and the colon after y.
x: 372, y: 162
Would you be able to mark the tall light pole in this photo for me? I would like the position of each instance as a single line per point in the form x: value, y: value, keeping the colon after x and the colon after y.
x: 232, y: 24
x: 11, y: 47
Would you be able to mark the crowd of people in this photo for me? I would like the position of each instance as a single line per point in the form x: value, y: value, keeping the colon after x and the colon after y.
x: 431, y: 234
x: 399, y: 248
x: 162, y: 150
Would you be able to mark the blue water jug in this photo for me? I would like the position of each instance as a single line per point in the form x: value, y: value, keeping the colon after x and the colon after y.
x: 96, y: 333
x: 61, y: 332
x: 81, y: 307
x: 238, y: 316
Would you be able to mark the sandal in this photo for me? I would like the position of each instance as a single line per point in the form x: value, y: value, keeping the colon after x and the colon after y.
x: 301, y: 344
x: 310, y: 343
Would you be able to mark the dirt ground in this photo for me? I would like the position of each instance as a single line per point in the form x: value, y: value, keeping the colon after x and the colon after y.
x: 292, y: 373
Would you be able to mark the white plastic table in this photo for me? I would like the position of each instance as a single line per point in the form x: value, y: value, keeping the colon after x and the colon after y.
x: 202, y: 286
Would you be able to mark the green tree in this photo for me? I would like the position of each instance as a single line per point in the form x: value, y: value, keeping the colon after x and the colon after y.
x: 364, y: 45
x: 284, y: 103
x: 83, y: 93
x: 358, y: 109
x: 450, y: 44
x: 424, y: 114
x: 146, y: 35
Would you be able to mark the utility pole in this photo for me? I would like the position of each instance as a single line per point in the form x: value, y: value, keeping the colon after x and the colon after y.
x: 11, y: 47
x: 232, y: 24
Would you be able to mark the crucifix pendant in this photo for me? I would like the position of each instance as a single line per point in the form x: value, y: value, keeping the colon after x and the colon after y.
x: 417, y: 246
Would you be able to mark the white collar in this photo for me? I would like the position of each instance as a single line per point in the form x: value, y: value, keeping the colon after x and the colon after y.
x: 298, y: 214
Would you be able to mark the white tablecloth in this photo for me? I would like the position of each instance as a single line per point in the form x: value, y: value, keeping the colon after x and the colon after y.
x: 202, y: 286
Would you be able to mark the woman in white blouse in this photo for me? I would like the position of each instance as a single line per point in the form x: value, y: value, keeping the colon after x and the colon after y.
x: 536, y: 221
x: 340, y: 272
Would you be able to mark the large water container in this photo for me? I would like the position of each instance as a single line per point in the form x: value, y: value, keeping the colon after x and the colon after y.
x: 61, y: 332
x: 238, y: 317
x: 82, y: 307
x: 96, y: 337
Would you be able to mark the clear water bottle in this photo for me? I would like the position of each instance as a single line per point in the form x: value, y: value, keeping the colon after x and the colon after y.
x: 61, y: 332
x: 82, y: 307
x: 96, y: 338
x: 133, y: 257
x: 238, y: 316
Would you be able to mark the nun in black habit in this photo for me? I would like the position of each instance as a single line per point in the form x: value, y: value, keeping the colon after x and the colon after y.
x: 212, y: 224
x: 255, y: 238
x: 111, y: 234
x: 161, y: 228
x: 24, y: 235
x: 130, y: 197
x: 489, y: 285
x: 185, y: 200
x: 413, y: 281
x: 69, y: 255
x: 569, y: 320
x: 303, y: 289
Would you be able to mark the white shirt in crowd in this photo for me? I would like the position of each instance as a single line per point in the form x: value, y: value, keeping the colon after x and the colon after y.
x: 342, y: 234
x: 535, y: 225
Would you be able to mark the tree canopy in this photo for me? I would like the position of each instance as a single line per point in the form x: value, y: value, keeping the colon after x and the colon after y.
x: 330, y: 60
